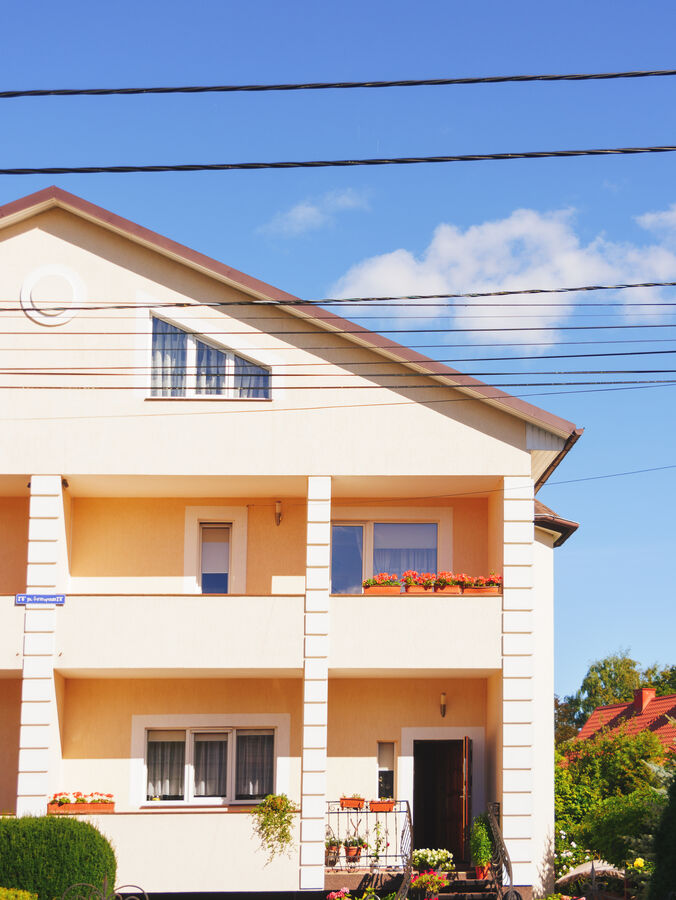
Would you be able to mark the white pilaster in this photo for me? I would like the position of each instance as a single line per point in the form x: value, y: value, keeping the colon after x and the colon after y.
x: 518, y: 676
x: 315, y: 683
x: 39, y: 741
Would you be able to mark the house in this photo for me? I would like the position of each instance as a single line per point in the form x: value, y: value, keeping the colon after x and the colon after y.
x: 646, y: 712
x: 205, y: 469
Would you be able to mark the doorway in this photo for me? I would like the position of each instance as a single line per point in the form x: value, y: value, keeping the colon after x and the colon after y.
x: 442, y: 789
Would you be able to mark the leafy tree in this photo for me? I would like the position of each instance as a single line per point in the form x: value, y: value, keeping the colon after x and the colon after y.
x: 665, y: 850
x: 565, y: 720
x: 611, y: 826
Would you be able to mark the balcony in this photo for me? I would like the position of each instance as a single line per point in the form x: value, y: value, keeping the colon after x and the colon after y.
x: 168, y: 634
x: 415, y: 634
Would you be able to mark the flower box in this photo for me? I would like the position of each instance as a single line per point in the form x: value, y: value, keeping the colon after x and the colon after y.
x: 488, y: 589
x: 79, y: 809
x: 449, y: 589
x: 381, y: 805
x: 352, y: 802
x: 418, y: 589
x: 382, y: 589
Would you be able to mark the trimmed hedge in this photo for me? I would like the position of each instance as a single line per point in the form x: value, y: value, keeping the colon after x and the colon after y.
x: 47, y: 854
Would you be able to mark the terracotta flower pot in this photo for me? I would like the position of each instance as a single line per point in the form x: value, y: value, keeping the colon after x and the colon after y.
x: 382, y: 589
x: 418, y: 589
x: 381, y: 805
x: 489, y: 589
x: 79, y: 809
x: 449, y: 589
x: 351, y: 803
x: 482, y: 871
x: 352, y: 854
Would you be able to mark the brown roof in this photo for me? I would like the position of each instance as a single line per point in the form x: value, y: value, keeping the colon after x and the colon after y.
x: 635, y: 717
x: 56, y: 197
x: 547, y: 518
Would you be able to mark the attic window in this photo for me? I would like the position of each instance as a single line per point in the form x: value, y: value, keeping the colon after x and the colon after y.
x: 184, y: 366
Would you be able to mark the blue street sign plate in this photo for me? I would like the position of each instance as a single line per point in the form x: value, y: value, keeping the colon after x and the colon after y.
x: 39, y: 599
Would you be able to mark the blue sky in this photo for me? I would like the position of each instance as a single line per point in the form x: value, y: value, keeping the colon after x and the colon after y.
x: 418, y: 228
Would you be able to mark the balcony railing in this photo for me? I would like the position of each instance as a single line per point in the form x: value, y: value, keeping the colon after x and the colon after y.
x: 386, y: 836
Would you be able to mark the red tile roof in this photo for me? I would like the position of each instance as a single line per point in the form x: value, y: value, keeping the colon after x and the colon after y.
x: 635, y: 717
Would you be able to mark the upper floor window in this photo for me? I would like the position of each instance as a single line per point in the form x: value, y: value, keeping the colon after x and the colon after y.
x: 366, y: 548
x: 184, y: 366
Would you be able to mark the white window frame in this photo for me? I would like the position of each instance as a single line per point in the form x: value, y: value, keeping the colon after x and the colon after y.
x: 206, y: 525
x: 196, y: 516
x: 228, y: 724
x: 367, y: 517
x: 230, y: 392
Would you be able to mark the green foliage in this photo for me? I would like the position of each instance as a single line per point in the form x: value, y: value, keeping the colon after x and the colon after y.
x: 613, y: 763
x: 272, y: 822
x: 480, y: 844
x: 10, y: 894
x: 665, y: 850
x: 47, y: 854
x: 612, y: 824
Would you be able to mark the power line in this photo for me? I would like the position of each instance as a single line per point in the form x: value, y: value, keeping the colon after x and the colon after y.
x: 122, y: 370
x: 331, y: 163
x: 331, y: 387
x: 334, y: 85
x: 382, y: 300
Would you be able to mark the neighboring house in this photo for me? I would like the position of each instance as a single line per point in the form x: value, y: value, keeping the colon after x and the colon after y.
x: 646, y: 712
x: 208, y: 479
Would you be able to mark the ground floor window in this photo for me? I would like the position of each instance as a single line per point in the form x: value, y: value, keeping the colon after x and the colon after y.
x: 202, y: 765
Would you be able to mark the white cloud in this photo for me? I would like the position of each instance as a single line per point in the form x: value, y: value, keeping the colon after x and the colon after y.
x: 664, y: 220
x: 310, y: 215
x: 527, y: 249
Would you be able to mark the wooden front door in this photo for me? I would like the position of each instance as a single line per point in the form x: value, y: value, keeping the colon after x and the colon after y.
x: 442, y: 772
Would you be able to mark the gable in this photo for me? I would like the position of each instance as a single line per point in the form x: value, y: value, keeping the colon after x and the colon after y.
x: 366, y: 384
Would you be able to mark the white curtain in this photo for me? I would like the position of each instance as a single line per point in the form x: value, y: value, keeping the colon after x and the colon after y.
x: 166, y: 765
x: 398, y: 547
x: 211, y: 765
x: 169, y: 360
x: 251, y: 380
x: 210, y: 370
x: 254, y: 777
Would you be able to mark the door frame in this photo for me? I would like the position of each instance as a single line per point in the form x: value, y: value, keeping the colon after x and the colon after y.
x: 452, y: 733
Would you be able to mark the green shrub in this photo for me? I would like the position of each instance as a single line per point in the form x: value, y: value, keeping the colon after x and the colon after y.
x: 11, y: 894
x: 612, y: 825
x: 47, y: 854
x: 665, y: 850
x: 480, y: 844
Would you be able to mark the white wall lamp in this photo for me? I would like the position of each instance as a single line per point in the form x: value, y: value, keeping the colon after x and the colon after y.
x: 442, y: 704
x: 278, y: 512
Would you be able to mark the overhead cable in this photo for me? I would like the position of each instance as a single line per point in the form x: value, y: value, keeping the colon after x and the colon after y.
x: 333, y: 85
x: 329, y: 163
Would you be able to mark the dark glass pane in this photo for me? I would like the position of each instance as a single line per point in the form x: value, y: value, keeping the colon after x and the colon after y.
x: 251, y: 380
x: 210, y: 370
x: 385, y: 783
x: 211, y: 766
x: 166, y: 761
x: 214, y: 582
x: 346, y: 559
x: 169, y: 349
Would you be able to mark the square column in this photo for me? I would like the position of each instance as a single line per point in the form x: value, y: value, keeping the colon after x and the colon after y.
x: 315, y: 683
x: 518, y: 683
x: 39, y: 739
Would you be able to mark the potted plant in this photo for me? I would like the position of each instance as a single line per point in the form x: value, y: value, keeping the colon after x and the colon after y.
x: 383, y: 804
x: 79, y: 804
x: 483, y: 584
x: 426, y: 860
x: 353, y: 847
x: 418, y: 583
x: 331, y: 851
x: 429, y: 882
x: 382, y: 583
x: 448, y: 583
x: 355, y: 801
x: 480, y: 846
x: 273, y: 823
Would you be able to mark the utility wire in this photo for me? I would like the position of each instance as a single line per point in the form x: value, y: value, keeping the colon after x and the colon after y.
x: 331, y: 387
x: 331, y: 163
x: 327, y: 301
x: 334, y: 85
x: 101, y: 371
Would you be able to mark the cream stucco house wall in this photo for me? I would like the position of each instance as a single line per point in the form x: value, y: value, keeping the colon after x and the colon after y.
x: 207, y: 471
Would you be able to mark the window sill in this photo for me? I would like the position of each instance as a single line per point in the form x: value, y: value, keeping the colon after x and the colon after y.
x: 168, y: 808
x: 211, y: 398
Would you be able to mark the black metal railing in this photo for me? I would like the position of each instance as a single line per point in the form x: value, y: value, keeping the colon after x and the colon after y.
x: 370, y: 839
x: 501, y: 865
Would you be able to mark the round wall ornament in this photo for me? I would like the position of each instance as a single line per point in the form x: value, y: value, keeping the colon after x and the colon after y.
x: 51, y: 295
